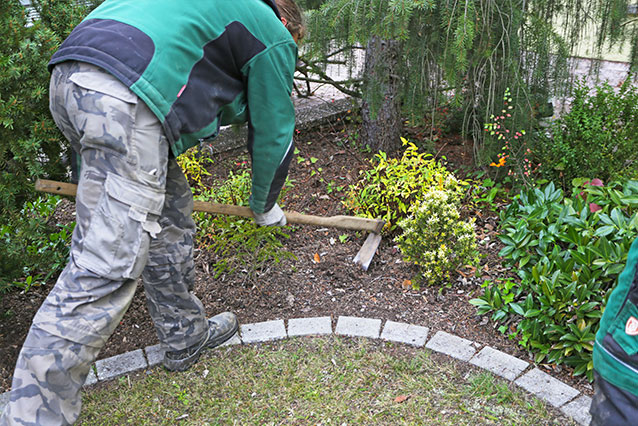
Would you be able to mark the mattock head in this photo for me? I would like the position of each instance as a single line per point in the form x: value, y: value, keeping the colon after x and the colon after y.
x: 367, y: 250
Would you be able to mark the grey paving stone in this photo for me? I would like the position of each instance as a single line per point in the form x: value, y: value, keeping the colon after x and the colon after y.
x: 358, y: 327
x: 154, y: 355
x: 499, y: 363
x: 410, y: 334
x: 309, y: 326
x: 120, y: 364
x: 235, y: 340
x: 263, y: 331
x: 4, y: 400
x: 91, y: 379
x: 546, y: 387
x: 578, y: 410
x: 452, y: 345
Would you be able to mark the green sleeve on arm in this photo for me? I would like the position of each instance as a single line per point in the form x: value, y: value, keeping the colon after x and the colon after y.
x: 272, y: 120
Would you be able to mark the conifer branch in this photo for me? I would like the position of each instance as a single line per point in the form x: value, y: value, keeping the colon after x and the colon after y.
x: 307, y: 67
x: 339, y: 85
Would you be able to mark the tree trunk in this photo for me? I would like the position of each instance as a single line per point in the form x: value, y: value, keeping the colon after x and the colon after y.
x: 381, y: 107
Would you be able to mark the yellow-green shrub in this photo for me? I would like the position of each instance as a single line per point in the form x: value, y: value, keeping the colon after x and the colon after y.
x: 392, y: 185
x: 193, y: 165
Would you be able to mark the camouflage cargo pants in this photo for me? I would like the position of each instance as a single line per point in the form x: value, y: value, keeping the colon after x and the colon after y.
x: 133, y: 212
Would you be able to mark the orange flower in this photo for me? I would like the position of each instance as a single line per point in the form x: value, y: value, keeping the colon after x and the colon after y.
x: 501, y: 162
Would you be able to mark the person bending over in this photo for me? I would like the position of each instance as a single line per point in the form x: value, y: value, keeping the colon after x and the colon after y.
x: 134, y: 85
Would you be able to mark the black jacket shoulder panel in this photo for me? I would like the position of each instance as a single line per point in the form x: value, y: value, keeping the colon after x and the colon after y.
x: 117, y: 47
x: 216, y: 79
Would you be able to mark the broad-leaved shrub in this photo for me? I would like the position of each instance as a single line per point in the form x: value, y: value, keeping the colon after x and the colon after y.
x: 193, y: 164
x: 568, y: 252
x: 33, y: 249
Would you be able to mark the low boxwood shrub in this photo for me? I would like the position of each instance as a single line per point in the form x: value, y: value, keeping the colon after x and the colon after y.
x: 568, y: 252
x: 436, y: 239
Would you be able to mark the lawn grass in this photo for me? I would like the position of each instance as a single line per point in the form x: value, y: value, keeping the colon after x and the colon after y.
x: 316, y: 381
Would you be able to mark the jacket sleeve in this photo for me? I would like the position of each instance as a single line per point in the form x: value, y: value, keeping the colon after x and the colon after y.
x: 271, y: 122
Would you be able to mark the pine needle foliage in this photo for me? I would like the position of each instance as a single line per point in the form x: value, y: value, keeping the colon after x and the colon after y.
x: 32, y: 146
x: 469, y: 51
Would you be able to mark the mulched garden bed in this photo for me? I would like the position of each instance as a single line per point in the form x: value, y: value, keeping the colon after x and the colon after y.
x: 322, y: 281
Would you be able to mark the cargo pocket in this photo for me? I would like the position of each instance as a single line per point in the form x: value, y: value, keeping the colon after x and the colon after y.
x: 102, y: 82
x: 117, y: 240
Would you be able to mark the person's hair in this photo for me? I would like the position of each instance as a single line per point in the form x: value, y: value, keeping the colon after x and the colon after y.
x: 294, y: 17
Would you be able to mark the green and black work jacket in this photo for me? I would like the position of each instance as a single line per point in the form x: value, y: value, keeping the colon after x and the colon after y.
x: 616, y: 346
x: 200, y: 64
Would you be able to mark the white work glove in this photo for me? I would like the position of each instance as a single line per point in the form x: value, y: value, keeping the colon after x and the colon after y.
x: 273, y: 217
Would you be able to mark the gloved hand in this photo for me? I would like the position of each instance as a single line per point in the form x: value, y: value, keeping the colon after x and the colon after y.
x: 272, y: 217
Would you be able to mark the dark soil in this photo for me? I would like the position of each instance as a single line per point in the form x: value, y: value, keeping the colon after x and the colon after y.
x: 323, y: 281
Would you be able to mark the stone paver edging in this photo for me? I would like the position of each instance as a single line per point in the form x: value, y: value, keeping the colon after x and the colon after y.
x: 532, y: 380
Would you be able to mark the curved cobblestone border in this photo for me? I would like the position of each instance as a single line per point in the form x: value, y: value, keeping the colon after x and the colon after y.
x: 540, y: 384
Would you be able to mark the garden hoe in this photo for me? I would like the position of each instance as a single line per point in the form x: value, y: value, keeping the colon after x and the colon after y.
x: 363, y: 257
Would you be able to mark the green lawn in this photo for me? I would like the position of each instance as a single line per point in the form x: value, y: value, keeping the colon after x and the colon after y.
x: 316, y: 381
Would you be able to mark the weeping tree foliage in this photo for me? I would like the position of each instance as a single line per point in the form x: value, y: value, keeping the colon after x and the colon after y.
x: 461, y: 53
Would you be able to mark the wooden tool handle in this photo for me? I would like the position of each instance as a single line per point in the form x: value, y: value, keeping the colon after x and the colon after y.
x: 339, y: 222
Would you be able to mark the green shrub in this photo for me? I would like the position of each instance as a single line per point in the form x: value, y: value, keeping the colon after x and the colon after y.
x: 486, y: 193
x: 234, y: 190
x: 32, y: 250
x: 597, y: 138
x: 32, y: 146
x: 392, y: 185
x: 236, y: 242
x: 435, y: 239
x: 568, y: 252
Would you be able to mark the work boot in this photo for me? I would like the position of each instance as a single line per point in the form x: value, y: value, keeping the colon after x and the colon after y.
x: 220, y: 328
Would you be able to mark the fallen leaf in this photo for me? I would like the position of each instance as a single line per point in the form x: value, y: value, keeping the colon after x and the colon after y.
x: 317, y: 258
x: 401, y: 398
